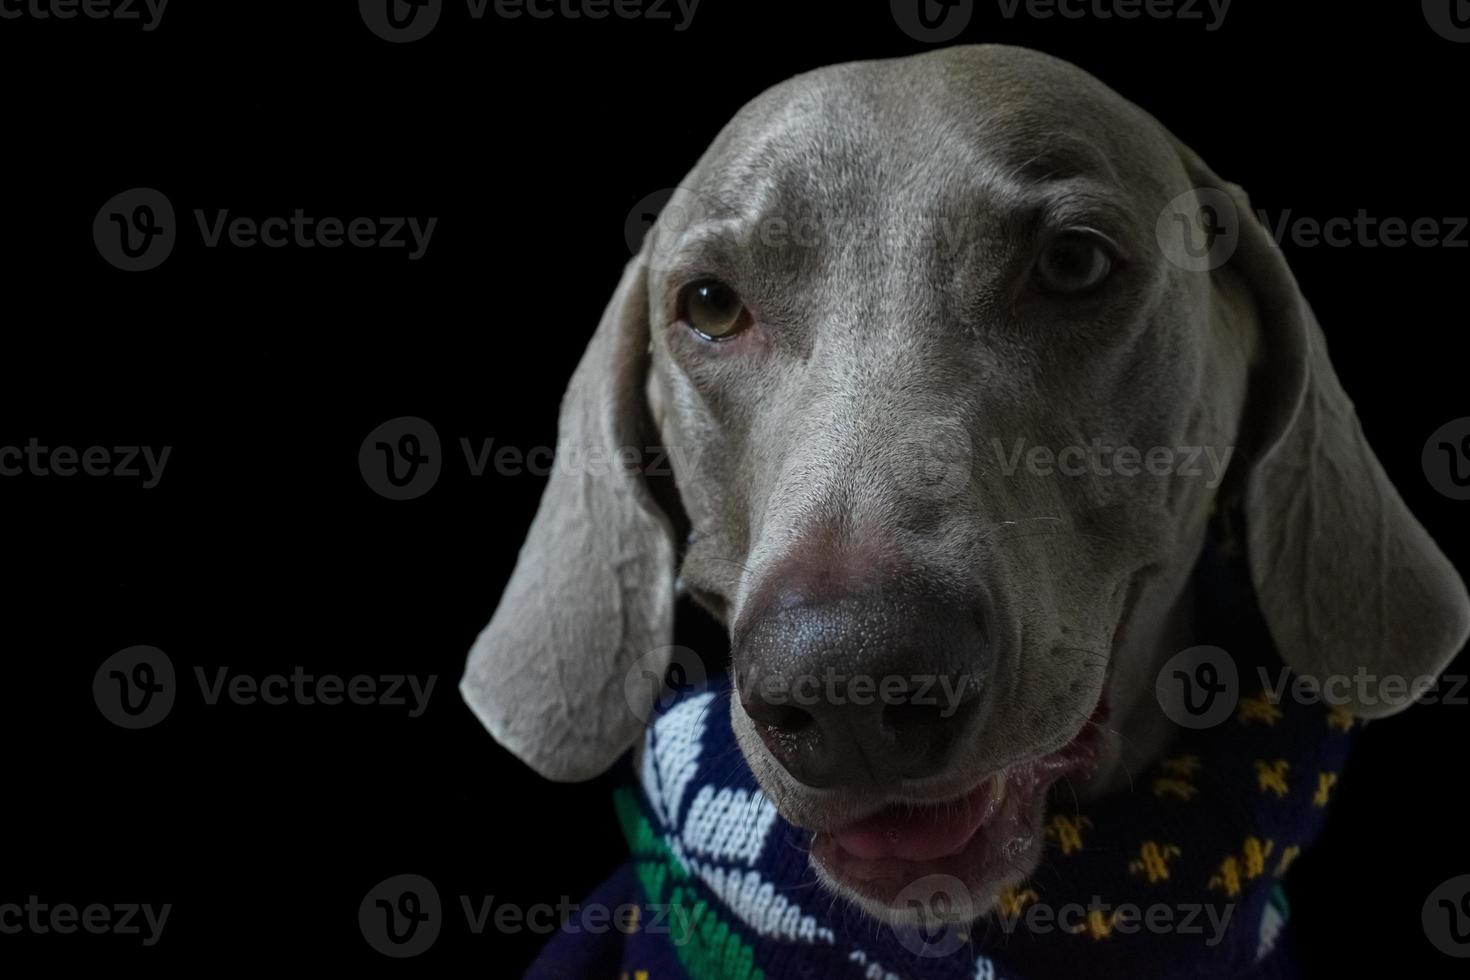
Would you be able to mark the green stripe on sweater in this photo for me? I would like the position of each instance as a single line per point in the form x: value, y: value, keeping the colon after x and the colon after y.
x: 707, y: 947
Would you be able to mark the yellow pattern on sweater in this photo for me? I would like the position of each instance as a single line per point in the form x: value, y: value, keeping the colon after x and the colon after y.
x: 1271, y: 776
x: 1153, y: 861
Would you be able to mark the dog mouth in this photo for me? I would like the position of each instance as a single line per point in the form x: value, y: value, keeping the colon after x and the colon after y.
x: 982, y: 838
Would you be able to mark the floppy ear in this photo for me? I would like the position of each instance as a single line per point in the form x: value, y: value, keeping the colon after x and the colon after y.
x: 1351, y: 585
x: 592, y: 594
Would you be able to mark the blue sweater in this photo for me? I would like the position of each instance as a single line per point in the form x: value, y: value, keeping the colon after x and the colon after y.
x: 1177, y: 878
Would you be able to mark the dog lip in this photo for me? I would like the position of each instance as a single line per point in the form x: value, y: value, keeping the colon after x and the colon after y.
x: 923, y: 833
x: 910, y: 835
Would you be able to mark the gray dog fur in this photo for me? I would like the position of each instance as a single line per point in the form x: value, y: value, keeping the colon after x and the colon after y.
x: 876, y: 347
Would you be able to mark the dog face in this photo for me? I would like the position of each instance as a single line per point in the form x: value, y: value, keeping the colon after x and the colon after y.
x: 949, y: 395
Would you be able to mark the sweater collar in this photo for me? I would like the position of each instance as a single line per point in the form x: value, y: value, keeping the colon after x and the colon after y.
x: 1178, y: 876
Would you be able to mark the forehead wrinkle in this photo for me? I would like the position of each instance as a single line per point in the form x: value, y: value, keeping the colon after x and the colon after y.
x: 701, y: 244
x: 1063, y: 157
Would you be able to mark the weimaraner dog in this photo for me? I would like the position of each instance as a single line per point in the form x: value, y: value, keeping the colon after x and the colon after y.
x: 880, y: 289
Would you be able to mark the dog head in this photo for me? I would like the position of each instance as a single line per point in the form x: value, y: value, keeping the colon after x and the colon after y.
x: 952, y: 356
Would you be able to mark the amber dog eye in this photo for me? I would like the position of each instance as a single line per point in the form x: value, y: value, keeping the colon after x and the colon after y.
x: 712, y: 310
x: 1074, y: 263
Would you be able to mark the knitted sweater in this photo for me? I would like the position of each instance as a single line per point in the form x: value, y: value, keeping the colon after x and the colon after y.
x: 1177, y: 878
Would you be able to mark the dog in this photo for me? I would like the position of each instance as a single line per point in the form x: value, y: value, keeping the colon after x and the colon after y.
x: 880, y: 330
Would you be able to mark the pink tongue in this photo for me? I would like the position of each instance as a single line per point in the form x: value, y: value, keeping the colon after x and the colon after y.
x: 916, y: 834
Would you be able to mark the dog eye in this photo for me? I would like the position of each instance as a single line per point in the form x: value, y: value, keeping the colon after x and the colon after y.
x: 712, y: 310
x: 1074, y: 263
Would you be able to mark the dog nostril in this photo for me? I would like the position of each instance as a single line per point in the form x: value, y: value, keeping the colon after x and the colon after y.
x: 903, y: 720
x: 777, y: 718
x: 787, y: 720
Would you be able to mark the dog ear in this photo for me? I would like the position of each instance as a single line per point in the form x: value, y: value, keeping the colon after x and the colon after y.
x: 1358, y: 598
x: 592, y: 594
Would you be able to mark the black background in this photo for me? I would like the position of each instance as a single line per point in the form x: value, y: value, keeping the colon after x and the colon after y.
x: 262, y: 548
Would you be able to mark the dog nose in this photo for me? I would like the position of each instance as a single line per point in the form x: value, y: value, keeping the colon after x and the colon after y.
x: 862, y: 689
